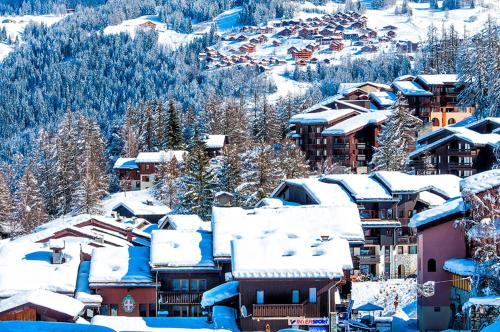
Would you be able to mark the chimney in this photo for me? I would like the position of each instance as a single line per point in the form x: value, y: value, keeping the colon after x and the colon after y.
x: 57, y: 246
x: 325, y: 238
x: 129, y: 234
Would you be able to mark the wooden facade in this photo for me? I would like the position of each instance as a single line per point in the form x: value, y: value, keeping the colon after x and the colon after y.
x: 113, y: 301
x: 33, y: 312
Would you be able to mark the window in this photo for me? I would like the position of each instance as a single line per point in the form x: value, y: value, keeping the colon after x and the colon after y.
x: 143, y: 310
x: 114, y: 309
x: 312, y: 295
x: 295, y: 296
x: 145, y: 178
x: 181, y: 285
x: 324, y: 140
x: 431, y: 265
x: 324, y: 153
x: 412, y: 250
x: 451, y: 121
x: 180, y: 310
x: 198, y: 284
x: 318, y: 140
x: 435, y: 122
x: 260, y: 297
x: 104, y: 309
x: 389, y: 214
x: 195, y: 310
x: 437, y: 309
x: 152, y: 310
x: 400, y: 250
x: 318, y: 130
x: 467, y: 146
x: 146, y: 167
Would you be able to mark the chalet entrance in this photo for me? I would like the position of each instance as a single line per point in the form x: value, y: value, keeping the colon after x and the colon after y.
x: 401, y: 271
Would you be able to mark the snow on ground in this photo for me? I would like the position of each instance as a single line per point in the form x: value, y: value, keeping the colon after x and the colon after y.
x: 4, y: 50
x: 228, y: 19
x: 166, y: 37
x: 132, y: 197
x: 23, y: 326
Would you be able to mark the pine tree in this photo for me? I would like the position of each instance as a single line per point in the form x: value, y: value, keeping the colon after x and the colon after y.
x: 198, y: 182
x: 167, y: 188
x: 236, y: 125
x: 266, y: 126
x: 229, y: 172
x: 129, y: 134
x: 5, y: 204
x: 29, y: 210
x: 45, y: 168
x: 212, y: 115
x: 146, y: 138
x: 396, y: 139
x: 174, y: 130
x: 160, y: 126
x: 292, y: 162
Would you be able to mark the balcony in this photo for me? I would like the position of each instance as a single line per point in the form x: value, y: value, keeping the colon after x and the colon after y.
x: 361, y: 157
x: 459, y: 151
x: 408, y: 239
x: 286, y: 310
x: 372, y: 239
x: 361, y: 146
x: 179, y: 298
x: 453, y: 164
x: 369, y: 259
x: 341, y: 145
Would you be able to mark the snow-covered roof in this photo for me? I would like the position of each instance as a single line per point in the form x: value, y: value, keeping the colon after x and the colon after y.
x: 125, y: 163
x: 357, y: 122
x: 185, y: 222
x: 460, y: 133
x: 112, y: 266
x: 323, y: 193
x: 383, y: 98
x: 451, y: 207
x: 481, y: 182
x: 380, y: 224
x: 438, y: 79
x: 224, y: 320
x: 324, y: 117
x: 360, y: 186
x: 26, y: 266
x: 491, y: 300
x: 160, y: 156
x: 275, y: 224
x: 139, y: 208
x: 410, y: 88
x: 290, y: 258
x: 46, y: 299
x: 345, y: 88
x: 402, y: 183
x: 56, y: 244
x: 461, y: 266
x: 430, y: 199
x: 220, y: 293
x: 82, y: 291
x: 215, y: 141
x: 176, y: 249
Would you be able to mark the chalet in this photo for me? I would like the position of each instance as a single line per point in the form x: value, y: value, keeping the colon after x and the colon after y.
x: 183, y: 263
x: 184, y: 222
x: 382, y: 100
x: 286, y: 32
x: 241, y: 38
x: 336, y: 46
x: 292, y: 50
x: 40, y: 305
x: 276, y: 43
x: 247, y: 48
x: 389, y: 27
x: 462, y: 151
x: 148, y: 210
x: 434, y: 99
x: 391, y: 34
x: 326, y: 32
x: 148, y: 25
x: 353, y: 139
x: 122, y: 277
x: 303, y: 54
x: 274, y: 293
x: 140, y: 173
x: 450, y: 262
x: 307, y: 33
x: 357, y: 25
x: 372, y: 34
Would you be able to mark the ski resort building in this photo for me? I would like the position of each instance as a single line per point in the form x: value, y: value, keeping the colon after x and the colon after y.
x: 140, y: 173
x: 434, y: 98
x: 462, y: 151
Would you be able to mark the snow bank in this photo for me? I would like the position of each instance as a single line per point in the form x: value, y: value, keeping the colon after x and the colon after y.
x: 288, y: 222
x: 451, y: 207
x: 181, y: 249
x: 460, y: 266
x: 220, y: 293
x: 46, y: 299
x: 362, y: 187
x: 23, y: 326
x: 290, y: 258
x: 430, y: 199
x: 481, y: 182
x: 120, y: 265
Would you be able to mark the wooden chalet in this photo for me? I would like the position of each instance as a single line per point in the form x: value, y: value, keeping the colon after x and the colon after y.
x: 303, y: 54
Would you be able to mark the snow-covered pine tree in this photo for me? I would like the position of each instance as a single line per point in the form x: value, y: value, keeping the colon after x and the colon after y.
x: 236, y: 125
x: 45, y: 167
x: 160, y: 126
x: 197, y: 185
x: 66, y: 175
x: 174, y: 129
x: 396, y: 139
x: 5, y: 204
x: 230, y: 169
x: 93, y: 179
x: 212, y: 115
x: 167, y: 188
x: 129, y: 134
x: 29, y: 210
x: 267, y: 128
x: 146, y: 140
x: 292, y: 162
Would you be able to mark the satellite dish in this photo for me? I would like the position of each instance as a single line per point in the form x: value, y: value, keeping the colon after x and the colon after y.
x: 244, y: 311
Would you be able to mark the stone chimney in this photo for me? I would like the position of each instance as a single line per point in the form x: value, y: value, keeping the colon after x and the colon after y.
x: 57, y: 246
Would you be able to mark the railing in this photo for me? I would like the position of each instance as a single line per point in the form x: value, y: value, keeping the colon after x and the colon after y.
x: 341, y: 145
x: 179, y: 298
x: 286, y: 310
x: 459, y: 151
x: 411, y: 239
x: 361, y: 146
x: 369, y: 259
x: 459, y: 165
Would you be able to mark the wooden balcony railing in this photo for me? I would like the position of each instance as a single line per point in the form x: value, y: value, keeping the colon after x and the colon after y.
x: 369, y: 259
x: 179, y: 298
x: 286, y: 310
